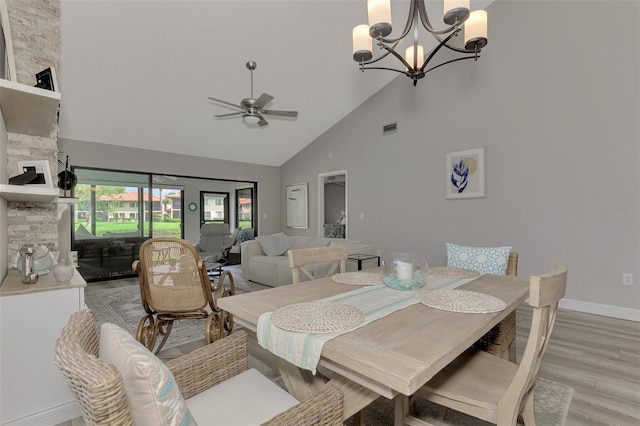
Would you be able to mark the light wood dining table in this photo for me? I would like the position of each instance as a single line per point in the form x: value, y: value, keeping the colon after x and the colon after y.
x: 390, y: 357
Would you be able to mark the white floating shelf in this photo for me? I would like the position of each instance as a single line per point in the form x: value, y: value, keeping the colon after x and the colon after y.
x: 28, y: 193
x: 26, y: 109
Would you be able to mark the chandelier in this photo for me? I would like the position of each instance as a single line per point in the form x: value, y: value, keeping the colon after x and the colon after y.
x: 456, y: 15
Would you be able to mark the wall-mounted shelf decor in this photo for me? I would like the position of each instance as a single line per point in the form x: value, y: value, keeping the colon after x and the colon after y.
x: 26, y: 109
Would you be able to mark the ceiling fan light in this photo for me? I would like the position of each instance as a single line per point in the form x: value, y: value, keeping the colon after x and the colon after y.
x: 251, y: 119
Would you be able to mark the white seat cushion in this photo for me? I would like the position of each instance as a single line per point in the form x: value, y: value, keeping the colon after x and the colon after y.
x: 247, y: 399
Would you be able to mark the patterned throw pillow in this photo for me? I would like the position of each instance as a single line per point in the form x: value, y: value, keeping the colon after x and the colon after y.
x: 486, y: 260
x: 152, y: 392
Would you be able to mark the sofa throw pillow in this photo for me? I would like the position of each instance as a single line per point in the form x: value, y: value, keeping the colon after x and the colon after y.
x: 274, y: 245
x: 83, y: 233
x: 245, y: 235
x: 486, y: 260
x: 150, y: 387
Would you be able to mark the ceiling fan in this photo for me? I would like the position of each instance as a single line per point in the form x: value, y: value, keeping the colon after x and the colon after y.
x: 251, y: 108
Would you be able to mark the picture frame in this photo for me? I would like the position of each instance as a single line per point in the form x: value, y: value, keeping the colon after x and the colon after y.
x: 466, y: 174
x: 297, y: 198
x: 42, y: 169
x: 47, y: 79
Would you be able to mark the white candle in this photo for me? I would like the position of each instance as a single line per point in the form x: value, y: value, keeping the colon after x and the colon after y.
x: 405, y: 271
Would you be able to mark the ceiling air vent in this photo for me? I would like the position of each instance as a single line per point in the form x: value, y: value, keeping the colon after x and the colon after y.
x: 389, y: 128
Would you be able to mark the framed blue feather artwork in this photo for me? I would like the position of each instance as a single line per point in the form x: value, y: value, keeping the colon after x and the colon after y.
x: 465, y: 174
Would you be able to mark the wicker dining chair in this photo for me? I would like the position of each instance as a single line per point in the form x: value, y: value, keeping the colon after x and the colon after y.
x: 99, y: 389
x: 494, y: 389
x: 300, y: 259
x: 502, y: 337
x: 174, y: 285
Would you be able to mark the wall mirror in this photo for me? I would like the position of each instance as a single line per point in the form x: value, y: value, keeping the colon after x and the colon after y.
x: 332, y: 205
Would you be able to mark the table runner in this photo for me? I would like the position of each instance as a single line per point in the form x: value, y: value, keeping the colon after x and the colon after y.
x: 304, y: 349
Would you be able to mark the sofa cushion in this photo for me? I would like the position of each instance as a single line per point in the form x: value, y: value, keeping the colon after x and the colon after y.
x: 226, y: 403
x: 274, y: 245
x: 149, y: 385
x: 486, y: 260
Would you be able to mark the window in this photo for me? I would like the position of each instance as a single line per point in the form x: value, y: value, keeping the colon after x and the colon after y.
x: 244, y: 208
x: 216, y: 207
x: 132, y: 205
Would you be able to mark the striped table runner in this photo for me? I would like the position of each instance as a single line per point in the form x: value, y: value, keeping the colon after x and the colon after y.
x: 304, y: 349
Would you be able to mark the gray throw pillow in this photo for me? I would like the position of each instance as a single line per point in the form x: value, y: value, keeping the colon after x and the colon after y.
x: 274, y: 245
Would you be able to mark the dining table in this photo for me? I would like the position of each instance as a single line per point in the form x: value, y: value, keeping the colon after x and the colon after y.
x: 390, y: 357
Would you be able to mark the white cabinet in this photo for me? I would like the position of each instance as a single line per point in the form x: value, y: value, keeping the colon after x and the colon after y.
x: 31, y: 318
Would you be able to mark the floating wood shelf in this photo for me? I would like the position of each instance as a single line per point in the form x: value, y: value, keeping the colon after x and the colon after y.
x: 26, y: 109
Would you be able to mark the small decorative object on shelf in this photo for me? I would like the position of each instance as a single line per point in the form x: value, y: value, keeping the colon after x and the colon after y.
x: 46, y: 79
x: 42, y: 259
x: 67, y: 180
x: 26, y: 263
x: 404, y: 271
x: 63, y: 271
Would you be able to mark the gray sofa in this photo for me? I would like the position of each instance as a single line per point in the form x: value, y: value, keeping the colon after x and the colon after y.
x: 274, y: 270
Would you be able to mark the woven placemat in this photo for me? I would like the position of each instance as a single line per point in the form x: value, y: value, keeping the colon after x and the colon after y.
x: 317, y: 317
x: 461, y: 301
x: 357, y: 278
x: 449, y: 272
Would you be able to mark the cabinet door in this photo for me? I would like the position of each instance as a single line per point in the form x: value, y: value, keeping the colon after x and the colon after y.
x: 31, y: 384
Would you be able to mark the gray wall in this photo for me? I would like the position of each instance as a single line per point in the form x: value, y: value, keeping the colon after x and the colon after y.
x: 104, y: 156
x: 555, y: 102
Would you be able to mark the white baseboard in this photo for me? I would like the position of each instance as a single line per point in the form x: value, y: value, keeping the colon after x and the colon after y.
x: 52, y: 416
x: 600, y: 309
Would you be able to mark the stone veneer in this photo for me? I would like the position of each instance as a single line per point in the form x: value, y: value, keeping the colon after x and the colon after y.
x: 35, y: 30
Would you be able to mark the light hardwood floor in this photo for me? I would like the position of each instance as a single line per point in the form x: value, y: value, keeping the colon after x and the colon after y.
x: 599, y: 357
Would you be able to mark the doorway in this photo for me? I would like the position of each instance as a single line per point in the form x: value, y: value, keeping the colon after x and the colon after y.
x: 332, y: 205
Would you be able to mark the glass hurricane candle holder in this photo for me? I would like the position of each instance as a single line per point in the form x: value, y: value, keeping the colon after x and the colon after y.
x: 404, y: 271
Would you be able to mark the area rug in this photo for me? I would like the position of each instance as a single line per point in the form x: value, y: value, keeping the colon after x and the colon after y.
x: 123, y: 306
x: 552, y: 401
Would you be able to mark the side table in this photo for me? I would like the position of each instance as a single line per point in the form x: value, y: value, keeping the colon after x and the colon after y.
x: 363, y: 257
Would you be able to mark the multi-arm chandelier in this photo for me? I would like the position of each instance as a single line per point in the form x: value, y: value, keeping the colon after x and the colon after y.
x: 456, y: 15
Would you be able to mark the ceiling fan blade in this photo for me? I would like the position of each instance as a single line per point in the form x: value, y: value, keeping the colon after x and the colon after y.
x: 232, y: 114
x: 262, y: 121
x: 225, y: 102
x: 264, y: 99
x: 280, y: 113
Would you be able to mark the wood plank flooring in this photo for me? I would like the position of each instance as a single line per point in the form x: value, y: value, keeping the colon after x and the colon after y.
x: 599, y: 357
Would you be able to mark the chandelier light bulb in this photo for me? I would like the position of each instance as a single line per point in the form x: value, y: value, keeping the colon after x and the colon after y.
x: 408, y: 55
x: 379, y: 12
x: 456, y: 11
x: 362, y: 43
x: 475, y: 30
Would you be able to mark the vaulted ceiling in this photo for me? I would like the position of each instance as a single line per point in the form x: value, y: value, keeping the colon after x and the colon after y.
x: 138, y: 73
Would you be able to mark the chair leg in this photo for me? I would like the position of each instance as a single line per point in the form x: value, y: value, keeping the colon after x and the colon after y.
x: 358, y: 418
x: 512, y: 351
x: 527, y: 411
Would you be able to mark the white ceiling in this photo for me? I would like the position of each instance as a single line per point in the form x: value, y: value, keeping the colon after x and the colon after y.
x: 138, y: 73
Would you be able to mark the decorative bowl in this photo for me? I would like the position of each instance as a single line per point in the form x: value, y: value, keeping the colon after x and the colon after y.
x: 404, y: 271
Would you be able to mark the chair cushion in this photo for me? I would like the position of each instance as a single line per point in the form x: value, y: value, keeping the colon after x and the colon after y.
x: 486, y: 260
x: 152, y: 393
x: 246, y: 235
x: 274, y: 245
x: 246, y: 399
